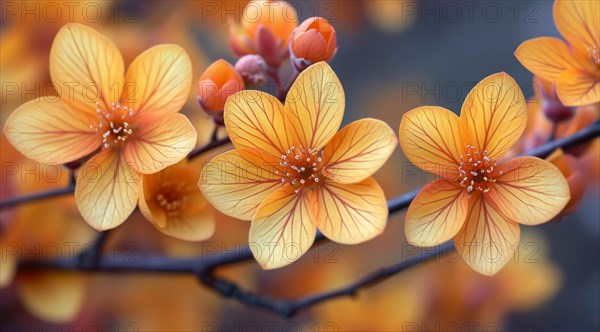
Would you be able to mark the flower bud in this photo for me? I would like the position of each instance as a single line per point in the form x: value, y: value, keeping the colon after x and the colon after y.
x: 313, y: 41
x: 265, y: 29
x: 253, y: 69
x: 219, y: 81
x: 552, y: 107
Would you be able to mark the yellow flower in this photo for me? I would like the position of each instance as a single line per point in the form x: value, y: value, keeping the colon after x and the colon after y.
x: 133, y: 119
x: 173, y: 203
x: 291, y: 172
x: 478, y: 202
x: 573, y: 67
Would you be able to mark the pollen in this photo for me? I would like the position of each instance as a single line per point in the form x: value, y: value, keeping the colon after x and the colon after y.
x: 594, y: 53
x: 300, y: 167
x: 114, y: 124
x: 172, y: 197
x: 476, y: 170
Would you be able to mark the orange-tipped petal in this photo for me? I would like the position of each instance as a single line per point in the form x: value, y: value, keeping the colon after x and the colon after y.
x: 86, y: 67
x: 238, y: 181
x: 530, y: 191
x: 51, y: 132
x: 437, y: 213
x: 358, y: 150
x: 494, y: 115
x: 430, y: 138
x: 107, y: 190
x: 155, y: 145
x: 577, y: 87
x: 579, y: 23
x: 256, y: 120
x: 158, y: 82
x: 315, y: 105
x: 351, y: 213
x: 546, y: 57
x: 488, y: 240
x: 283, y: 228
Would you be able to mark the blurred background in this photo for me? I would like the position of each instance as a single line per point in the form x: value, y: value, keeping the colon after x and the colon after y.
x: 393, y: 56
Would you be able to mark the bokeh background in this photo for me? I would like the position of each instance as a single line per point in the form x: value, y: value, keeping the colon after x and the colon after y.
x: 393, y: 56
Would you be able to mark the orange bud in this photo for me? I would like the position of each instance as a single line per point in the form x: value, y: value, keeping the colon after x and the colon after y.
x: 313, y: 41
x: 219, y: 81
x: 569, y: 167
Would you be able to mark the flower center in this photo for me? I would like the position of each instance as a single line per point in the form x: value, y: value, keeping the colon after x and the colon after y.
x: 172, y: 197
x: 477, y: 171
x: 594, y: 53
x: 300, y: 167
x: 114, y: 124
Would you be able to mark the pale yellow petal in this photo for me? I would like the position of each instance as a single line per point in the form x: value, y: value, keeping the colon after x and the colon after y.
x: 256, y: 120
x: 238, y: 181
x: 358, y: 150
x: 436, y: 214
x: 283, y: 228
x: 430, y: 138
x: 351, y: 213
x: 155, y: 145
x: 579, y: 22
x: 107, y: 190
x: 86, y: 67
x: 494, y: 115
x: 51, y: 132
x: 578, y: 87
x: 159, y: 81
x: 546, y: 57
x: 315, y: 105
x: 8, y: 264
x: 488, y: 240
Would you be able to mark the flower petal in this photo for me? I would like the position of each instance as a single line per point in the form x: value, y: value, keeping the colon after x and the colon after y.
x: 530, y: 191
x: 86, y: 67
x: 159, y: 144
x: 437, y: 213
x: 488, y: 240
x: 546, y: 57
x: 351, y: 213
x: 158, y: 82
x: 358, y: 150
x: 256, y: 120
x: 315, y: 105
x: 283, y: 228
x: 238, y: 181
x: 8, y: 265
x: 494, y: 115
x: 51, y: 132
x: 577, y: 87
x: 107, y: 190
x: 578, y: 22
x: 430, y: 138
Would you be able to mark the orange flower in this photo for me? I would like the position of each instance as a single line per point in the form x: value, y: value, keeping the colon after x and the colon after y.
x: 265, y: 29
x: 569, y: 167
x: 291, y: 172
x: 313, y: 41
x: 478, y: 202
x: 132, y: 118
x: 173, y: 203
x: 574, y: 67
x: 219, y: 81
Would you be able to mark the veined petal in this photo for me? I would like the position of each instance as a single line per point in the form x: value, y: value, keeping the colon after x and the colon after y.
x: 494, y: 115
x: 51, y: 132
x: 238, y: 181
x: 430, y: 138
x: 315, y: 106
x: 107, y: 190
x: 155, y: 145
x: 578, y: 22
x: 530, y: 191
x: 158, y: 82
x: 86, y: 67
x: 578, y: 87
x: 351, y: 213
x: 488, y: 240
x: 546, y: 57
x: 283, y: 228
x: 437, y: 213
x: 256, y: 120
x: 358, y: 150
